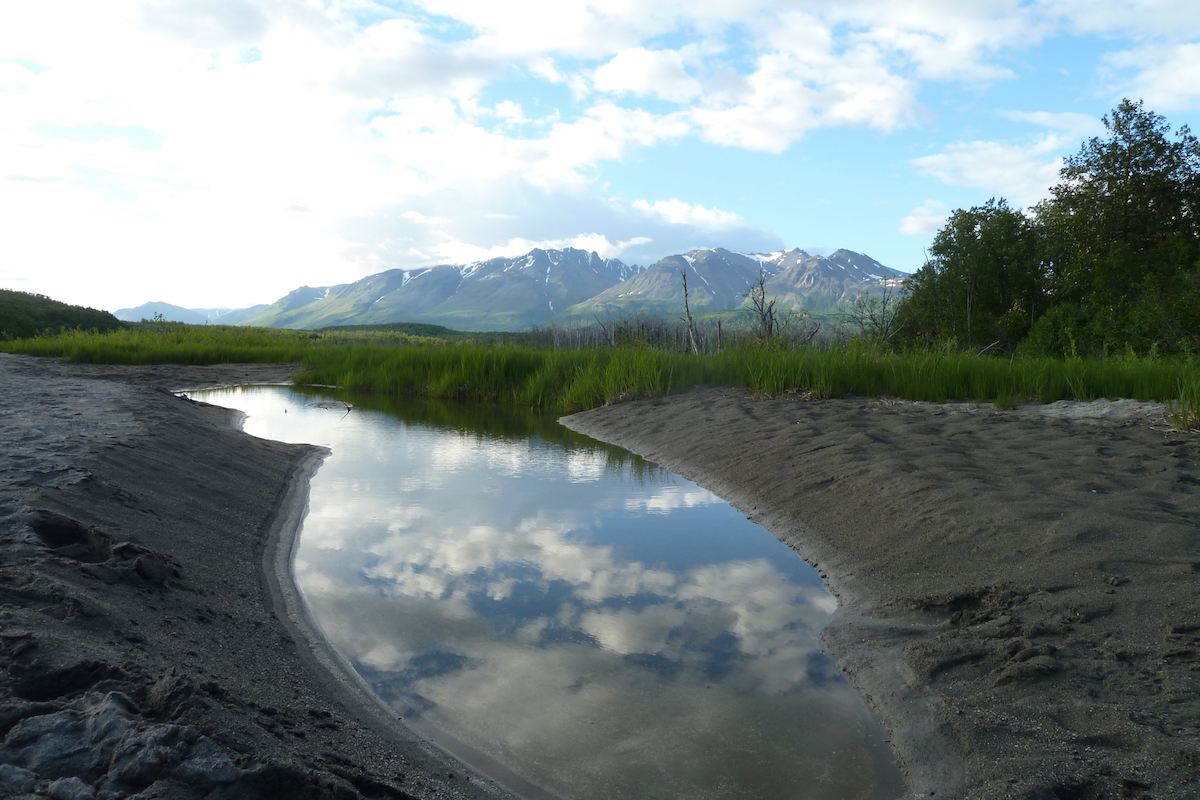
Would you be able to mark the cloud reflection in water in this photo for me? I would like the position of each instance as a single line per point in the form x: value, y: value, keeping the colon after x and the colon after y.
x: 601, y: 632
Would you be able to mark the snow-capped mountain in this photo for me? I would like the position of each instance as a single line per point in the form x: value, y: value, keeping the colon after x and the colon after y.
x: 719, y: 279
x: 498, y: 294
x: 545, y: 286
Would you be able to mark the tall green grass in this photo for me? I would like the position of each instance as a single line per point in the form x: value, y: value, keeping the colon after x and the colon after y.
x: 566, y: 381
x: 176, y: 343
x: 570, y: 380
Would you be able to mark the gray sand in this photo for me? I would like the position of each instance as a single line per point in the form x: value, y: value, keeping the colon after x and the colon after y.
x: 146, y: 645
x: 1019, y: 591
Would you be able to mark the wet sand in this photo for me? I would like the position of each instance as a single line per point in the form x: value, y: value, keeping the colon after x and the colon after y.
x: 148, y: 645
x: 1020, y: 591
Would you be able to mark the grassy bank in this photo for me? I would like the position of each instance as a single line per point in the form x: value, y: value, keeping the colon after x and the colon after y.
x: 397, y: 363
x: 177, y: 343
x: 571, y: 380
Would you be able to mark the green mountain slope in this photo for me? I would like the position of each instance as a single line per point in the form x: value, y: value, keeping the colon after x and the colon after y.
x: 23, y: 315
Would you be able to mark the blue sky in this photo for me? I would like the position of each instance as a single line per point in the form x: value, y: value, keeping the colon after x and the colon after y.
x: 219, y: 153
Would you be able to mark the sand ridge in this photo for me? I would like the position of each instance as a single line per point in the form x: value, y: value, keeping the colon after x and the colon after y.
x: 144, y: 646
x: 1019, y: 590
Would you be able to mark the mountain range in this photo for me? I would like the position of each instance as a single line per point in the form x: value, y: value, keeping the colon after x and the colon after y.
x: 558, y: 286
x: 192, y: 316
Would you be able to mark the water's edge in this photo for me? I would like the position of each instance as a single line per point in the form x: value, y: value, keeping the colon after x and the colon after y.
x: 281, y: 542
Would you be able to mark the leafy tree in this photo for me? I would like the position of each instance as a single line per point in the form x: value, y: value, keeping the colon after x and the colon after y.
x: 983, y: 284
x: 1110, y: 262
x: 1122, y: 236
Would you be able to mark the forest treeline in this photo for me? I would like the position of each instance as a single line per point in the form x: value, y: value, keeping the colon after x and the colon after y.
x: 23, y: 314
x: 1108, y: 264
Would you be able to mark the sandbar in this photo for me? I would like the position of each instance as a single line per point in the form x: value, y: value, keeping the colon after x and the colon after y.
x: 1019, y: 591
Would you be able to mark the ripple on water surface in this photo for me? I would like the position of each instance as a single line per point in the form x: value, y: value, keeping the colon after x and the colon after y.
x: 571, y: 619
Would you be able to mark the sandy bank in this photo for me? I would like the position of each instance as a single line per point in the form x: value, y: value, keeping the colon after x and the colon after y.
x: 1020, y: 591
x: 144, y: 647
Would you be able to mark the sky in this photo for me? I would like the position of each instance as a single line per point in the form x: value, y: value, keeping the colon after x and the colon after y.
x: 220, y: 153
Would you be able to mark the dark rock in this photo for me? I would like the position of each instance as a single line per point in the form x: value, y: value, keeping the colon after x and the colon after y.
x: 41, y: 684
x: 70, y: 789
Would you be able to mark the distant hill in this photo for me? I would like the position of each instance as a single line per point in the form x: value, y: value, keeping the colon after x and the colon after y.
x: 719, y: 279
x: 495, y: 295
x: 23, y: 315
x: 557, y: 287
x: 192, y: 316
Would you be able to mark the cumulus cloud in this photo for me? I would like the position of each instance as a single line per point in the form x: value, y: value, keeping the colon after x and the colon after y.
x: 677, y: 212
x: 1023, y: 173
x: 1168, y: 18
x: 1166, y: 78
x: 643, y: 72
x: 213, y: 23
x: 926, y: 219
x: 804, y: 84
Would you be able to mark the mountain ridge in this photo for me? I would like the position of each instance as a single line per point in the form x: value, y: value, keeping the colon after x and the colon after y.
x: 719, y: 280
x: 545, y: 287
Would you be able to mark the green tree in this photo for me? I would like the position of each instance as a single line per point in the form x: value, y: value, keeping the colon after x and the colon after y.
x: 983, y: 284
x: 1122, y: 237
x: 24, y: 315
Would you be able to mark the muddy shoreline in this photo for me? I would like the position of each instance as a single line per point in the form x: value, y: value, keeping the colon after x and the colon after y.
x: 147, y: 647
x: 1020, y: 591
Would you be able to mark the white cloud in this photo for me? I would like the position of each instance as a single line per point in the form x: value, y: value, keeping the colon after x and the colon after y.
x: 637, y: 233
x: 926, y: 219
x: 670, y: 498
x: 418, y: 217
x: 1166, y: 18
x: 16, y: 76
x: 1074, y: 125
x: 1165, y: 78
x: 456, y: 252
x: 213, y: 23
x: 1021, y: 173
x: 806, y: 81
x: 645, y: 72
x: 949, y: 40
x: 677, y: 212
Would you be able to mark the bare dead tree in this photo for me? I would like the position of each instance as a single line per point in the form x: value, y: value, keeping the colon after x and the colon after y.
x: 875, y: 315
x: 763, y: 307
x: 609, y: 332
x: 687, y: 310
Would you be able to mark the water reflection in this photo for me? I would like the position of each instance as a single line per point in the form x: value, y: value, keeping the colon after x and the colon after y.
x: 597, y: 626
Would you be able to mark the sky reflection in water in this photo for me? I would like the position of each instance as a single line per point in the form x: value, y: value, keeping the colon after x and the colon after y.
x: 597, y: 626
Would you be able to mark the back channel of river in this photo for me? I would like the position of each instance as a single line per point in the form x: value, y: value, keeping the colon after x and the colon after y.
x: 566, y: 617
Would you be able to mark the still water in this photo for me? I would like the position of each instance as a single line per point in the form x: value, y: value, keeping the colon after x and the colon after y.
x: 566, y: 616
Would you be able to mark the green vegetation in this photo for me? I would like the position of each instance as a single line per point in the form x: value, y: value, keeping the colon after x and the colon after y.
x: 23, y: 314
x: 412, y: 328
x: 179, y: 343
x: 1109, y: 264
x: 572, y: 380
x: 563, y: 380
x: 430, y: 331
